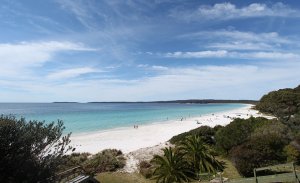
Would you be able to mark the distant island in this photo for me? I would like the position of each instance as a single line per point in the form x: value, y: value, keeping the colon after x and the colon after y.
x: 65, y: 102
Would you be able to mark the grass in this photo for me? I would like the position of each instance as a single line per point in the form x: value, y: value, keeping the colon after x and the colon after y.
x: 230, y: 171
x: 118, y: 177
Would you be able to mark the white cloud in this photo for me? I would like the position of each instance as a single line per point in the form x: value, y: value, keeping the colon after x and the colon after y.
x: 159, y: 68
x: 225, y: 11
x: 71, y: 73
x: 227, y: 54
x: 198, y: 54
x: 237, y: 40
x: 240, y: 45
x: 16, y: 58
x: 270, y: 37
x: 223, y: 82
x: 34, y: 53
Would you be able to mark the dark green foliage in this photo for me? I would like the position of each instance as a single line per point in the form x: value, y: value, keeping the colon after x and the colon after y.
x: 199, y: 156
x: 205, y: 132
x: 292, y: 153
x: 190, y: 158
x: 30, y: 151
x: 171, y: 167
x: 273, y: 129
x: 284, y: 104
x: 264, y: 148
x: 145, y: 169
x: 254, y: 154
x: 105, y: 161
x: 237, y: 132
x: 73, y: 160
x: 293, y: 150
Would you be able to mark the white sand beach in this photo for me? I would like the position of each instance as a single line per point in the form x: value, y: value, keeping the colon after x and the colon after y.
x: 131, y: 139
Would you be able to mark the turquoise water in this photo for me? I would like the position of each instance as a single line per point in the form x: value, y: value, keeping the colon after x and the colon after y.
x: 85, y: 117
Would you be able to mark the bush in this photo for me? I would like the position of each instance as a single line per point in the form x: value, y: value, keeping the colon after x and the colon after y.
x: 284, y: 104
x: 205, y: 132
x: 237, y: 132
x: 72, y: 160
x: 30, y: 151
x: 264, y: 148
x: 145, y: 169
x: 292, y: 153
x: 105, y: 161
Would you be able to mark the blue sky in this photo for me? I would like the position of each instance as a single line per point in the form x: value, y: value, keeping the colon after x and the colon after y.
x: 144, y: 50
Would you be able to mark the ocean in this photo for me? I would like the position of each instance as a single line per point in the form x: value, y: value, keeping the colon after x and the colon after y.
x: 87, y: 117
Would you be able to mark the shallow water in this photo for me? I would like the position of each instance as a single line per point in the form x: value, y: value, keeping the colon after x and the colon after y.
x: 85, y: 117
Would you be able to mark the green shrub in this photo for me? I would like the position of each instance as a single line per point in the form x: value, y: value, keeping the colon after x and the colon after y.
x: 254, y: 154
x: 105, y: 161
x: 284, y: 104
x: 264, y: 148
x: 205, y: 132
x: 30, y: 151
x: 237, y: 132
x: 145, y: 169
x: 73, y: 160
x: 292, y: 153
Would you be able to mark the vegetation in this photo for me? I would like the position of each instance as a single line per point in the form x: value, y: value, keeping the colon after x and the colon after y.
x: 118, y: 177
x: 205, y: 132
x: 237, y: 132
x: 185, y: 162
x: 145, y: 169
x: 30, y: 150
x: 171, y: 167
x: 257, y: 142
x: 264, y: 148
x: 105, y: 161
x: 199, y: 156
x: 284, y: 104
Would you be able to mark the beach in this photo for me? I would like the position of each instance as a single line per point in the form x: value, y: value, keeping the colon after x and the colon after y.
x: 130, y: 139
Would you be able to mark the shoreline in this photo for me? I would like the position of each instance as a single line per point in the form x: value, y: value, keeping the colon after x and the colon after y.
x: 131, y: 139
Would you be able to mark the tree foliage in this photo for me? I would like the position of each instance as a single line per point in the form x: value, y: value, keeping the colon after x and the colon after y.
x: 205, y: 132
x: 171, y: 167
x: 190, y: 158
x: 264, y: 147
x: 30, y: 151
x: 199, y: 156
x: 107, y: 160
x: 284, y: 104
x: 237, y: 132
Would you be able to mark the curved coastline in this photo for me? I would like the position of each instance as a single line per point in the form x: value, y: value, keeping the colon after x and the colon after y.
x: 130, y: 139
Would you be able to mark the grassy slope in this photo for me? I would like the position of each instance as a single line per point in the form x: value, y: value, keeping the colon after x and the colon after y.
x: 117, y: 177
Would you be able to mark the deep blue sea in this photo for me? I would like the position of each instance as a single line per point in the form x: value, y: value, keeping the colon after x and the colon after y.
x: 86, y: 117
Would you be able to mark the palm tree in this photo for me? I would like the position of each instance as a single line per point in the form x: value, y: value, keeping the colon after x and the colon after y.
x: 199, y: 156
x: 170, y: 167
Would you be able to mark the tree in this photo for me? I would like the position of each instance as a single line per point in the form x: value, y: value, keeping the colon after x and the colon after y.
x: 30, y: 151
x: 171, y: 167
x: 283, y: 103
x: 237, y: 132
x: 256, y: 153
x: 199, y: 156
x: 264, y: 148
x: 205, y: 132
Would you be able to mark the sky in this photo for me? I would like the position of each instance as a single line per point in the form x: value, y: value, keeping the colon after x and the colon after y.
x: 147, y: 50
